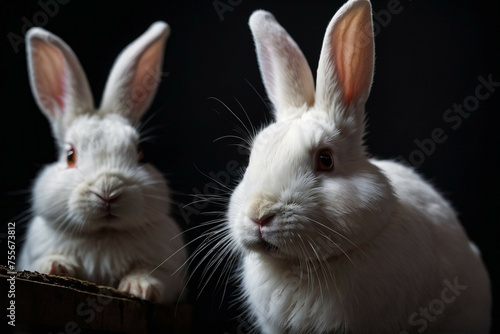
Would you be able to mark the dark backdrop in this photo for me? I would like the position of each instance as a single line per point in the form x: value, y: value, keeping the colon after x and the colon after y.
x: 429, y: 57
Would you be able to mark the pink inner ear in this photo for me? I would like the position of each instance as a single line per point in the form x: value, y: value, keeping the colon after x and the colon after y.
x: 49, y: 71
x: 267, y: 67
x: 147, y: 77
x: 352, y: 47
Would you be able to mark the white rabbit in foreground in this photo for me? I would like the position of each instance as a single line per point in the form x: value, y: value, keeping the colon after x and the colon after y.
x: 332, y: 241
x: 100, y: 214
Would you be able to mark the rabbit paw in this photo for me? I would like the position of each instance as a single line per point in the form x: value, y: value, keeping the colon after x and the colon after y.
x: 57, y: 265
x: 141, y: 286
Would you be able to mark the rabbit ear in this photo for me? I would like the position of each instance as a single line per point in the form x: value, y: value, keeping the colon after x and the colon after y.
x: 135, y: 76
x: 57, y: 79
x: 345, y: 70
x: 284, y: 69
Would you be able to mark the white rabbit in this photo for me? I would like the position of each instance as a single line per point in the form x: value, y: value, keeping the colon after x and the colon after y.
x: 100, y: 214
x: 331, y: 240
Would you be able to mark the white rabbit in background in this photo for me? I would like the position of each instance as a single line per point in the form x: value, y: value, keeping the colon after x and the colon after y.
x: 333, y: 241
x: 99, y: 213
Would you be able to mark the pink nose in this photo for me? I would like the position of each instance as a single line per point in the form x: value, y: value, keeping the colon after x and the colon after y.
x: 107, y: 199
x: 263, y: 220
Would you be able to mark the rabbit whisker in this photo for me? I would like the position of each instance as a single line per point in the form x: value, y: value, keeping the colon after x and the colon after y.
x: 193, y: 256
x: 210, y: 232
x: 254, y: 133
x: 215, y: 263
x: 215, y: 221
x: 229, y: 109
x: 340, y: 235
x: 261, y: 98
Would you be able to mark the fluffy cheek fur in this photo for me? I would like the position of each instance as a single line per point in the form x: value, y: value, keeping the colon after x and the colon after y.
x: 358, y: 206
x: 235, y: 215
x: 316, y: 217
x: 51, y: 191
x: 67, y: 198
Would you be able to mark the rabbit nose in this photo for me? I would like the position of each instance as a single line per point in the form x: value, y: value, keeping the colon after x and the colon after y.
x: 107, y: 199
x: 263, y: 220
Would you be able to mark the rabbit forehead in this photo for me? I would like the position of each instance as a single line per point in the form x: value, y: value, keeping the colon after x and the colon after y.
x: 290, y: 143
x: 295, y: 135
x: 112, y: 133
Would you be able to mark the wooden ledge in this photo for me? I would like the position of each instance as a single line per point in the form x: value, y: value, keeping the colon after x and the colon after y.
x: 55, y: 304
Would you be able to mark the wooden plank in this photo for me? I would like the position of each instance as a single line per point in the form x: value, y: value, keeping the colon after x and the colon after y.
x: 55, y: 304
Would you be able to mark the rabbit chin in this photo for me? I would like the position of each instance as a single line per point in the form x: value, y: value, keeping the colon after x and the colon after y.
x: 264, y: 247
x: 107, y: 222
x: 292, y: 250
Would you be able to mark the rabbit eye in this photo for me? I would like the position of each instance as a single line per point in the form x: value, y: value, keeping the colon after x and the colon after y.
x: 324, y: 161
x: 71, y: 157
x: 141, y: 155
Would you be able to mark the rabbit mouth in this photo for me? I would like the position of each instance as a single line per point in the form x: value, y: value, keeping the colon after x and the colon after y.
x: 110, y: 217
x: 268, y: 248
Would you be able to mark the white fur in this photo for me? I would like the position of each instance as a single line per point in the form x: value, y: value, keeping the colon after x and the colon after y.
x: 360, y: 248
x: 73, y: 231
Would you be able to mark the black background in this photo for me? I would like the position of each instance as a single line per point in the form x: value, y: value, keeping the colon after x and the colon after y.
x: 429, y: 57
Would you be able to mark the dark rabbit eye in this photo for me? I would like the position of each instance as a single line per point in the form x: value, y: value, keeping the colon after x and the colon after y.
x: 71, y: 156
x: 141, y: 155
x: 324, y: 161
